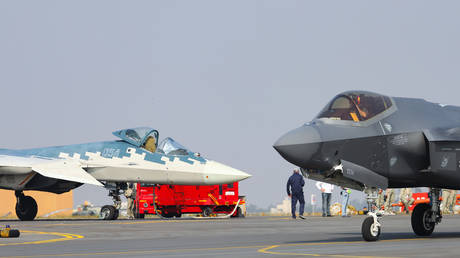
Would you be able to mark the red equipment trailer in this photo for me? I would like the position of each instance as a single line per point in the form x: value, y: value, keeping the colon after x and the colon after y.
x: 422, y: 198
x: 174, y: 200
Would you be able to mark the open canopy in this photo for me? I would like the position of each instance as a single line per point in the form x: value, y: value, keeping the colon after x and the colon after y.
x: 137, y: 136
x: 356, y: 106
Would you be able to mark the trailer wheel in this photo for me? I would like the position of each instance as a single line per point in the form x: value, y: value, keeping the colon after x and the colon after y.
x: 207, y: 211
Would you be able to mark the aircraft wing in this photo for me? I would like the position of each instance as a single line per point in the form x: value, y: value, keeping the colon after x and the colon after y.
x: 54, y: 168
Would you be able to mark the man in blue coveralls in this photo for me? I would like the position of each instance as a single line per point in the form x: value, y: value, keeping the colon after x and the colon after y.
x: 295, y: 191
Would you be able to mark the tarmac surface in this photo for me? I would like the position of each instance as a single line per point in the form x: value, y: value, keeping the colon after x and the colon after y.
x: 247, y: 237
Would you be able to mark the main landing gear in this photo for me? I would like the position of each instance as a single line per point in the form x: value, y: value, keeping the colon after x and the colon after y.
x: 26, y: 206
x: 111, y: 212
x: 424, y: 217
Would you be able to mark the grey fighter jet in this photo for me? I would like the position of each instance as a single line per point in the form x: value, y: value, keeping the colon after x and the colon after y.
x: 367, y: 141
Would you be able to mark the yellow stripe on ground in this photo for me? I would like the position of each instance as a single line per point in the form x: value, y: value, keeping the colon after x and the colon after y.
x: 262, y: 249
x: 134, y: 252
x: 64, y: 237
x: 267, y: 250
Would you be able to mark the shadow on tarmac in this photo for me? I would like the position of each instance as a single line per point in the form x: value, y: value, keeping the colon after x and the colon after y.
x: 356, y: 237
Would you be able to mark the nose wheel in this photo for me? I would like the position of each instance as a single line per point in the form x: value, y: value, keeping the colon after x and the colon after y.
x: 371, y: 227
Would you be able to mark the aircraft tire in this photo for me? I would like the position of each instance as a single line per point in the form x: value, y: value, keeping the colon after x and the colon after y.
x: 367, y: 232
x: 108, y: 212
x: 27, y: 208
x: 419, y: 218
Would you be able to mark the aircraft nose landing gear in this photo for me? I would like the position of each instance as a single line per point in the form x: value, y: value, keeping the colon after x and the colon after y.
x: 111, y: 212
x: 26, y: 206
x: 371, y: 227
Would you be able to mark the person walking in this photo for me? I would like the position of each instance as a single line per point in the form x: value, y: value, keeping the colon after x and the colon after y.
x: 345, y: 197
x: 390, y: 200
x: 294, y: 189
x: 326, y: 192
x: 405, y: 196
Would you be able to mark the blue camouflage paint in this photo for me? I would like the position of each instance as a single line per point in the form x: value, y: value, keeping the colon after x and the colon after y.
x: 108, y: 149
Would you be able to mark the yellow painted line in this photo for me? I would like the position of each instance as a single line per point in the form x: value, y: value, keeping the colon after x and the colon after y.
x: 263, y: 249
x: 288, y: 218
x: 126, y: 222
x: 267, y: 249
x: 64, y: 237
x: 143, y: 252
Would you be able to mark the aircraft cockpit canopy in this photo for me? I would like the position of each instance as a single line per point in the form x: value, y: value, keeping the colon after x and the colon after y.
x: 144, y: 137
x: 356, y: 106
x: 170, y: 147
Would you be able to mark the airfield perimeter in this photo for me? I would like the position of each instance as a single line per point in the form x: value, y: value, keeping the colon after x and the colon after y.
x: 248, y: 237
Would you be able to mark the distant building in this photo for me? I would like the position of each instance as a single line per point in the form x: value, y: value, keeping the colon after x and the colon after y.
x: 284, y: 207
x: 48, y: 203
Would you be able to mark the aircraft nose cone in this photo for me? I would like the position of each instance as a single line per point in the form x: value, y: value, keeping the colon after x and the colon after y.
x: 299, y: 146
x: 216, y: 173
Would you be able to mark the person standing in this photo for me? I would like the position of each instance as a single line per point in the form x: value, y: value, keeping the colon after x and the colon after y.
x: 295, y: 191
x: 390, y: 200
x: 406, y: 198
x: 326, y: 192
x: 380, y: 199
x: 453, y: 200
x: 445, y: 201
x: 345, y: 197
x: 130, y: 195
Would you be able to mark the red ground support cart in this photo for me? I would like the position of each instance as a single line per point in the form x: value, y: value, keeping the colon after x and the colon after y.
x: 174, y: 200
x: 422, y: 198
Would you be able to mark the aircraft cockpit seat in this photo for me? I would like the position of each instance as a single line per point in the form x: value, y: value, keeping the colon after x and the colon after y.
x: 150, y: 144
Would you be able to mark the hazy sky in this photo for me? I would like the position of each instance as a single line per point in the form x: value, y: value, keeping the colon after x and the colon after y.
x: 225, y: 78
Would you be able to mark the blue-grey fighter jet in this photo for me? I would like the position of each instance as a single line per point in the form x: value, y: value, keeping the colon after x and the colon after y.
x: 367, y: 141
x: 136, y: 157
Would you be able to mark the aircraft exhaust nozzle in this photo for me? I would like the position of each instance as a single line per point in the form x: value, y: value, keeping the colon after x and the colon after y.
x: 216, y: 173
x: 299, y: 146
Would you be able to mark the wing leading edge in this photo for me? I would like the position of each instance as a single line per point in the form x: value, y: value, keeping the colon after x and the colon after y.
x: 53, y: 168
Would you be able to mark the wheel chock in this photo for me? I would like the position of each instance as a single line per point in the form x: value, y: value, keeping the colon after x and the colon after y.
x: 8, y: 232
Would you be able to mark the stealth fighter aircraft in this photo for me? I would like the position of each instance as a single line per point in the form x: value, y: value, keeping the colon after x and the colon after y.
x: 136, y: 157
x: 368, y: 141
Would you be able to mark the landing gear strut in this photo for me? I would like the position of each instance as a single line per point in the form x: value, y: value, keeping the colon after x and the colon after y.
x: 370, y: 228
x: 425, y: 216
x: 26, y: 206
x: 111, y: 212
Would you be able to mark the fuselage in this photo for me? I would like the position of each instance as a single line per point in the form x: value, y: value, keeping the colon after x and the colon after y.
x: 394, y: 143
x: 119, y: 161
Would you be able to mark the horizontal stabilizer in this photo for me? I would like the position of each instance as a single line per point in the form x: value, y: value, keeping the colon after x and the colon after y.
x: 65, y: 170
